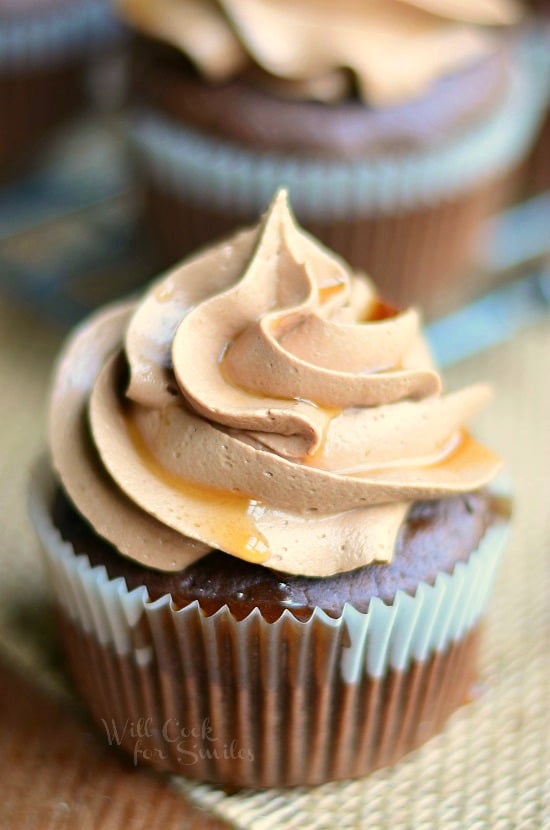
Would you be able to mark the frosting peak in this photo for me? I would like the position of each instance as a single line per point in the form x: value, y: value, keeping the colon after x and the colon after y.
x: 261, y: 400
x: 393, y: 49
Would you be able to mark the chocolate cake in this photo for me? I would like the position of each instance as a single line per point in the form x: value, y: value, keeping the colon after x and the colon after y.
x: 434, y: 537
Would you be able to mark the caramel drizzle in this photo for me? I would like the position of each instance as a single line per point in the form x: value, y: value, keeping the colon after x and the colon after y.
x: 230, y: 517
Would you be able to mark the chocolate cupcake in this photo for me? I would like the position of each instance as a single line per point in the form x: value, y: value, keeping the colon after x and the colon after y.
x: 537, y: 52
x: 397, y: 126
x: 269, y: 534
x: 45, y: 47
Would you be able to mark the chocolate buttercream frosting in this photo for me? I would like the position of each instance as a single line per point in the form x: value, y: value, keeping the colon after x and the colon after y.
x: 391, y: 51
x: 260, y: 400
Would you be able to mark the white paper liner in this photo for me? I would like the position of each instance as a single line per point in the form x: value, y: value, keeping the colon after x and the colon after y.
x: 49, y: 36
x: 386, y: 636
x: 212, y: 172
x: 257, y: 704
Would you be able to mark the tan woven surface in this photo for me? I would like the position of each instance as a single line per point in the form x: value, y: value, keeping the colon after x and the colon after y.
x: 58, y: 775
x: 490, y: 768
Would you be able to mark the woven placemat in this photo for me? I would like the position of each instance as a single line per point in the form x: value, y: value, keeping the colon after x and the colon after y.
x: 491, y: 766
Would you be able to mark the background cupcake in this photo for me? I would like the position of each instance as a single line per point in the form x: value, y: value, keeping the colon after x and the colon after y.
x: 537, y: 48
x: 283, y: 571
x: 45, y: 47
x: 397, y: 126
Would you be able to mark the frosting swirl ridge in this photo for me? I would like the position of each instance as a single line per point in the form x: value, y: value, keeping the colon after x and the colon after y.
x: 393, y: 50
x: 259, y: 399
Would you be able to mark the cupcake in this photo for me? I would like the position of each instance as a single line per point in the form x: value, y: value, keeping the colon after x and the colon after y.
x: 270, y: 537
x: 396, y: 125
x: 45, y: 46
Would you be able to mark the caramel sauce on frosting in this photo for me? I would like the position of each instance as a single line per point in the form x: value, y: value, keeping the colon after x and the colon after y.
x: 229, y: 515
x: 393, y: 50
x: 259, y: 399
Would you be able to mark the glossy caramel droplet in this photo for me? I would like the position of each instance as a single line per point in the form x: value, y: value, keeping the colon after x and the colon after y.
x: 165, y: 291
x: 225, y: 519
x: 327, y: 292
x: 380, y: 310
x: 330, y: 413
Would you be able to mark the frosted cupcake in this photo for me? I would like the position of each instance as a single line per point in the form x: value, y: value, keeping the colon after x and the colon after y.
x: 269, y: 533
x: 395, y: 124
x: 537, y: 48
x: 45, y: 46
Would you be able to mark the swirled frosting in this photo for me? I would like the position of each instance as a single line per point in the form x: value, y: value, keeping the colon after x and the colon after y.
x: 259, y: 399
x: 392, y: 49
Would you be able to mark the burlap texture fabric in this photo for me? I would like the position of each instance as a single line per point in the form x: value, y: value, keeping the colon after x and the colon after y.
x: 491, y: 766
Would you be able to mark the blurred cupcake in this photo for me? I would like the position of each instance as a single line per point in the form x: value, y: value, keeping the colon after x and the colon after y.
x: 45, y: 46
x: 395, y: 124
x: 537, y: 53
x: 268, y: 532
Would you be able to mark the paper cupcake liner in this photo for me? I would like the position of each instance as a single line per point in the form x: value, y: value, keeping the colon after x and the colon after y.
x: 38, y: 102
x: 209, y: 171
x: 419, y: 257
x: 45, y: 73
x: 537, y: 52
x: 252, y: 703
x: 49, y: 36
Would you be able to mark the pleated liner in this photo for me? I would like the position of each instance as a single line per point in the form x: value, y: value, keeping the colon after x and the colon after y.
x: 410, y: 221
x: 43, y: 65
x: 256, y: 704
x: 48, y: 36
